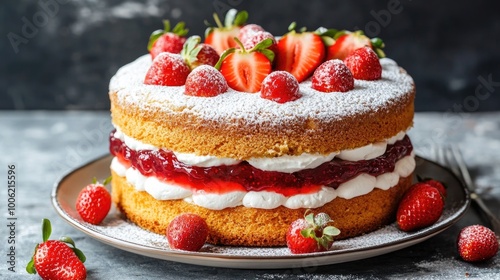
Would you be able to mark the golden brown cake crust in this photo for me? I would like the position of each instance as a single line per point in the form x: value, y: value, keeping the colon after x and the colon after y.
x: 186, y: 133
x: 241, y: 226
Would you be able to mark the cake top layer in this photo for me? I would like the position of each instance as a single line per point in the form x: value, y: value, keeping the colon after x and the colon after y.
x: 367, y: 96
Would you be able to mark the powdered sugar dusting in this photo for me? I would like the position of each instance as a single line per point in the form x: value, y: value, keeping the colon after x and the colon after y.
x: 233, y: 105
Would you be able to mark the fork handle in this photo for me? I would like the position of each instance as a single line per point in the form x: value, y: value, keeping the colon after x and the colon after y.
x: 485, y: 212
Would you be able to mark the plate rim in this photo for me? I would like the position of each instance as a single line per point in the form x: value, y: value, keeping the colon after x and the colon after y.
x: 217, y: 260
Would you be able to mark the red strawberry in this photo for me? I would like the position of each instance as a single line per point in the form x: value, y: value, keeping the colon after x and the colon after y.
x: 280, y: 86
x: 299, y: 53
x: 421, y: 206
x: 247, y: 30
x: 437, y: 184
x: 93, y: 202
x: 167, y: 69
x: 222, y: 36
x: 187, y: 232
x: 206, y: 81
x: 477, y: 243
x: 252, y: 40
x: 346, y: 42
x: 311, y: 234
x: 364, y: 64
x: 55, y: 259
x: 196, y: 54
x: 245, y: 70
x: 332, y: 75
x: 167, y: 40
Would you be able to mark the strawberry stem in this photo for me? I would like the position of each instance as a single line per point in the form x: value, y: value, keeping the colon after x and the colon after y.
x: 217, y: 21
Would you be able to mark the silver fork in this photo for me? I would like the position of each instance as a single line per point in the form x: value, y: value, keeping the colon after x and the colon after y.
x: 451, y: 157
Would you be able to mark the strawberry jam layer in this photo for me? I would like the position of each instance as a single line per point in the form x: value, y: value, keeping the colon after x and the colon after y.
x: 164, y: 165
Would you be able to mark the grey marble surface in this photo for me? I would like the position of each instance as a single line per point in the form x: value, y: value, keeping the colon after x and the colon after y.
x: 46, y: 145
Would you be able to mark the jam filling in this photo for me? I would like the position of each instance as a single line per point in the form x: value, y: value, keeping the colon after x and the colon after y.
x: 164, y: 165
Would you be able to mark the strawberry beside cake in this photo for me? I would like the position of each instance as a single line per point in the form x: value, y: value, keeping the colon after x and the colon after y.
x: 273, y: 128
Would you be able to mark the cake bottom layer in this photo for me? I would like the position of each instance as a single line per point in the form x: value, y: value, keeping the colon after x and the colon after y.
x: 242, y: 226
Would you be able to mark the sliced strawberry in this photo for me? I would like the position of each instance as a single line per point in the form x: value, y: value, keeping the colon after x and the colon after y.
x: 332, y: 75
x: 166, y: 40
x: 167, y: 69
x: 245, y: 70
x: 346, y: 42
x: 364, y: 64
x: 222, y: 36
x: 280, y: 86
x: 205, y: 81
x: 299, y: 53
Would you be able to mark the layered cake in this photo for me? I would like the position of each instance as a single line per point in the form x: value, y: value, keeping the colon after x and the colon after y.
x: 250, y: 166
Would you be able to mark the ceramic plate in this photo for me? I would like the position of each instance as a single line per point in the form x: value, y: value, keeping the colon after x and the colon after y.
x: 117, y: 231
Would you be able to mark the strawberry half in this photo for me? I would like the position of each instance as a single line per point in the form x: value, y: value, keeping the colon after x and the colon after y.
x: 346, y: 42
x: 299, y: 53
x: 166, y: 40
x: 421, y: 206
x: 311, y: 234
x: 55, y: 259
x: 222, y: 36
x: 245, y: 70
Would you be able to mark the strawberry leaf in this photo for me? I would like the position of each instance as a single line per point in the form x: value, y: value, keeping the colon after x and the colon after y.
x: 79, y: 254
x: 268, y: 53
x: 223, y: 56
x: 310, y: 218
x: 230, y: 16
x: 30, y: 267
x: 241, y: 18
x: 166, y: 25
x: 292, y: 26
x: 94, y: 180
x: 107, y: 181
x: 46, y: 229
x: 68, y: 240
x: 180, y: 29
x: 153, y: 37
x: 331, y: 231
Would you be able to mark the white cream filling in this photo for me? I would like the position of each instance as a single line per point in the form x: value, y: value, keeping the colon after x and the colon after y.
x: 360, y: 185
x: 285, y: 164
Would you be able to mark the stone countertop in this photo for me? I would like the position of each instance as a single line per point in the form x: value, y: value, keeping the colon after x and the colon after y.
x: 44, y: 146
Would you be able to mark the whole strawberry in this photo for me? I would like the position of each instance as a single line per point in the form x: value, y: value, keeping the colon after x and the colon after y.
x: 166, y: 40
x: 93, y: 202
x: 311, y: 234
x: 55, y: 259
x: 196, y: 54
x: 364, y: 64
x: 205, y: 81
x: 167, y: 69
x: 477, y: 243
x: 437, y: 184
x: 280, y: 86
x: 187, y: 232
x: 421, y: 206
x: 332, y: 75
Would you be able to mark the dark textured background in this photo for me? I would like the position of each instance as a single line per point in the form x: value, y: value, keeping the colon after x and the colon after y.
x: 451, y: 48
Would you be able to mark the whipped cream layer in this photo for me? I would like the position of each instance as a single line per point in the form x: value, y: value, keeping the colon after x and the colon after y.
x: 285, y: 164
x: 359, y: 185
